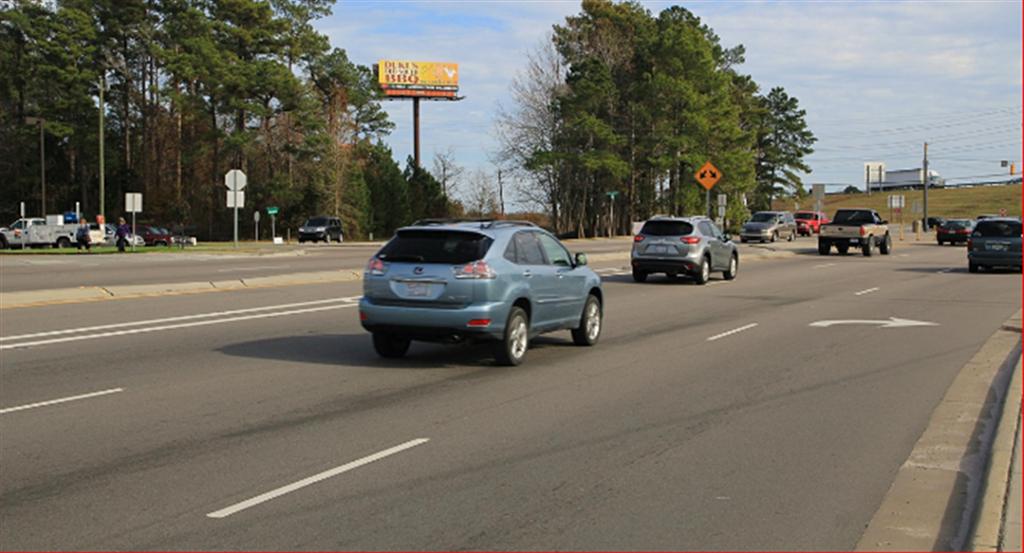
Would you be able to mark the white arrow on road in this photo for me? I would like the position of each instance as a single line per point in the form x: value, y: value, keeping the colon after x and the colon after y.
x: 893, y: 322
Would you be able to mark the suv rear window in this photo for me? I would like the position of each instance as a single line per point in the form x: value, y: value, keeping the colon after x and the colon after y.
x: 436, y: 246
x: 853, y: 216
x: 317, y: 222
x: 666, y: 228
x: 998, y: 229
x: 806, y: 216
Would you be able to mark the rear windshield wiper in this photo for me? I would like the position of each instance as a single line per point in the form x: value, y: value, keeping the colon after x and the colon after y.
x: 405, y: 257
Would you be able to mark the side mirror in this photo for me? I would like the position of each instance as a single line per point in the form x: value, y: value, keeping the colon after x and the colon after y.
x: 581, y: 259
x: 727, y: 237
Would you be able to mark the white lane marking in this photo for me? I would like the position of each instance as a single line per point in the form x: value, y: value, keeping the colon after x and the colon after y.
x: 715, y: 283
x: 944, y: 271
x: 256, y: 268
x: 731, y: 332
x: 172, y: 319
x: 868, y: 291
x: 172, y: 327
x: 228, y: 511
x: 61, y: 400
x: 823, y: 265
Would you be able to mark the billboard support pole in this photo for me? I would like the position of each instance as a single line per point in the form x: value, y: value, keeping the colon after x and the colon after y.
x: 416, y: 130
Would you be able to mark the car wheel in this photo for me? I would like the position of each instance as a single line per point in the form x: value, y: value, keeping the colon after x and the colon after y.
x: 868, y: 247
x: 734, y: 267
x: 63, y: 242
x: 775, y: 236
x: 824, y: 248
x: 843, y: 248
x: 704, y: 273
x: 972, y: 267
x: 590, y: 323
x: 511, y: 350
x: 3, y: 242
x: 792, y: 236
x: 886, y: 246
x: 391, y: 346
x: 940, y: 242
x: 639, y: 276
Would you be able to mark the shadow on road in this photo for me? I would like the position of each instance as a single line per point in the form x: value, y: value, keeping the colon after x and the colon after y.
x: 356, y: 350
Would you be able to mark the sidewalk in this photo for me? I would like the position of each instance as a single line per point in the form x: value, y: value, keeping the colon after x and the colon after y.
x: 1011, y: 530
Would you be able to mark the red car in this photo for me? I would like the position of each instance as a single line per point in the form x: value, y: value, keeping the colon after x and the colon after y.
x: 155, y: 236
x: 809, y: 222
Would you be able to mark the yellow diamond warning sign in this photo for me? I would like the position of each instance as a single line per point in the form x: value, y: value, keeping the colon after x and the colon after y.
x: 708, y: 175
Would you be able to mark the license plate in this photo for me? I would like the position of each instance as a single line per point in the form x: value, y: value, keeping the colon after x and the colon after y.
x: 996, y: 247
x: 854, y: 240
x: 660, y: 249
x: 417, y: 289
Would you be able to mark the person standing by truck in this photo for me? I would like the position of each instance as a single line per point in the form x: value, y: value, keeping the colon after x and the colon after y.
x: 82, y: 238
x: 123, y: 230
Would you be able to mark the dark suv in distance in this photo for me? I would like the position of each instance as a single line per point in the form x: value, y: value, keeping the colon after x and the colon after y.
x: 954, y: 231
x: 994, y: 242
x: 498, y: 281
x: 692, y: 246
x: 321, y: 228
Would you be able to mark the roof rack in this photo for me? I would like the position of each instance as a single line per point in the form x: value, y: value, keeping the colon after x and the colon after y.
x: 484, y: 223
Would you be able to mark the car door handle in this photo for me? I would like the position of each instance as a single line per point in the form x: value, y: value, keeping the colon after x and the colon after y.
x: 527, y: 273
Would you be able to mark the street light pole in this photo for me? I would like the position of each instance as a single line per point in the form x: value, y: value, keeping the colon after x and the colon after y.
x: 42, y: 159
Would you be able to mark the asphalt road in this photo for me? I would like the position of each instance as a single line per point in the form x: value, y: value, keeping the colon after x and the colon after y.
x: 710, y: 417
x: 44, y: 272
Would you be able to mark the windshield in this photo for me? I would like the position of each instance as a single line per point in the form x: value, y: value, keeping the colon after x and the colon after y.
x: 853, y: 216
x: 666, y: 228
x: 957, y: 224
x: 317, y: 222
x: 998, y: 229
x: 432, y: 246
x: 763, y: 217
x: 805, y: 216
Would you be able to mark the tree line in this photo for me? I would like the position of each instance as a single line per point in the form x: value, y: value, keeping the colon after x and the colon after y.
x: 193, y: 88
x: 626, y: 102
x: 618, y: 100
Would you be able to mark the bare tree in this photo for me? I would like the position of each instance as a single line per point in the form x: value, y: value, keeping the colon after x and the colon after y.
x: 529, y: 127
x: 447, y: 171
x: 481, y: 199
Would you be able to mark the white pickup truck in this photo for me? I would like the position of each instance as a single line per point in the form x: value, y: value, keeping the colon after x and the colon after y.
x: 29, y: 232
x: 860, y: 228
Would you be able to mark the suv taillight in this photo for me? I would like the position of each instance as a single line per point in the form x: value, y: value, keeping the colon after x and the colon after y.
x: 474, y: 270
x: 690, y: 239
x: 638, y: 238
x: 376, y: 267
x: 863, y: 231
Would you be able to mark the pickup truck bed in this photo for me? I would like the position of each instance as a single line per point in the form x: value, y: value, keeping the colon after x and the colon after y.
x: 861, y: 228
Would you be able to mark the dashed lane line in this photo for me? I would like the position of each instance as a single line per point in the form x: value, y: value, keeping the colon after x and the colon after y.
x: 60, y: 400
x: 867, y: 291
x: 731, y: 332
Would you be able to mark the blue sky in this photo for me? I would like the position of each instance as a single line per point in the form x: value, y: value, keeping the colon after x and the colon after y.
x: 877, y: 78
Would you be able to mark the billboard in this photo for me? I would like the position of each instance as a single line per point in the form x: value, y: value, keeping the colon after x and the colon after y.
x: 418, y: 78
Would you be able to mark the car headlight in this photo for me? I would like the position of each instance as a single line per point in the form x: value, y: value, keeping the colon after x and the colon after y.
x: 321, y: 229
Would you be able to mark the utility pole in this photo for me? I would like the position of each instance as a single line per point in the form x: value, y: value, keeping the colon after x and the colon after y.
x: 103, y: 203
x: 867, y: 179
x: 42, y: 160
x: 926, y: 179
x: 501, y: 194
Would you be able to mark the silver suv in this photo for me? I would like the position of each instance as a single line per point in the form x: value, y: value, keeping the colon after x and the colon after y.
x: 769, y: 226
x: 692, y: 246
x: 499, y: 281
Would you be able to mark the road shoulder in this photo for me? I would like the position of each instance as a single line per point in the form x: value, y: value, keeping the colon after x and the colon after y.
x: 933, y: 499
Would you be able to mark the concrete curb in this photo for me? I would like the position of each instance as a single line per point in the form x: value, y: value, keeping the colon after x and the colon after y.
x: 931, y: 502
x: 988, y: 528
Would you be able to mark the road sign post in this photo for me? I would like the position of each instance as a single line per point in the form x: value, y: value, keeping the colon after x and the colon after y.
x: 611, y: 212
x: 272, y: 211
x: 133, y: 205
x: 235, y: 181
x: 256, y: 221
x: 707, y: 176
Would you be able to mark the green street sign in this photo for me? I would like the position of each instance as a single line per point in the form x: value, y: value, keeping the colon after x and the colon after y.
x: 271, y: 211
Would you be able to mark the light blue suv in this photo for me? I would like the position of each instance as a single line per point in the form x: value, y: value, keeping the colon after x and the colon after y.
x: 498, y: 281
